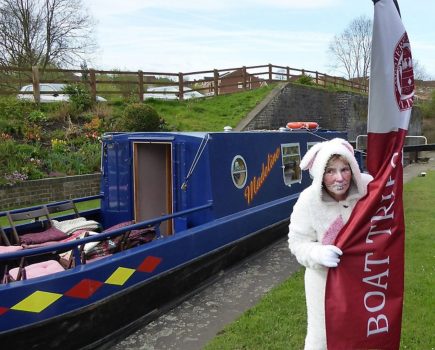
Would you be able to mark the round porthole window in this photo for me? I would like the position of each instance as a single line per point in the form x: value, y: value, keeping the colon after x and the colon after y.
x: 239, y: 171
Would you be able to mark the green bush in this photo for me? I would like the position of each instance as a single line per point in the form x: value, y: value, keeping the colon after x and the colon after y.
x: 67, y: 159
x: 20, y: 161
x: 37, y: 117
x: 140, y: 117
x: 13, y: 109
x: 305, y: 80
x: 79, y: 97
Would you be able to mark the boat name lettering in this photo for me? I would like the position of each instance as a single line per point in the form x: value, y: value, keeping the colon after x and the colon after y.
x: 257, y: 182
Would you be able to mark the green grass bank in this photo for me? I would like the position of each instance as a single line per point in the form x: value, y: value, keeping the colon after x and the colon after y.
x: 278, y: 321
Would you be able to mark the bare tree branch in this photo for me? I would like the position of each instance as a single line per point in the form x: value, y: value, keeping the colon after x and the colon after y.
x: 350, y: 50
x: 44, y: 33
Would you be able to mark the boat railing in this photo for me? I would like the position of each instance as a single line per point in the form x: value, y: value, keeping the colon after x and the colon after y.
x: 76, y: 243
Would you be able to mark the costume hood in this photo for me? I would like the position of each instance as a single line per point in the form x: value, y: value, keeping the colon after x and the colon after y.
x: 317, y: 157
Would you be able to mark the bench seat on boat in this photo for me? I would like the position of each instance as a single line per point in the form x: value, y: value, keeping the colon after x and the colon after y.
x: 43, y: 268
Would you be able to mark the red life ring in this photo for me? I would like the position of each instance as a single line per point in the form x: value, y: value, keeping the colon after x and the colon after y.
x: 302, y: 125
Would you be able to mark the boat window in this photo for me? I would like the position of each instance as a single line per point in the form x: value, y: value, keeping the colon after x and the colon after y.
x: 310, y: 144
x: 291, y: 158
x: 239, y: 171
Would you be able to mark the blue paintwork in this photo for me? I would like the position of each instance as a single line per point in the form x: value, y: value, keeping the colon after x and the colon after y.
x: 224, y: 216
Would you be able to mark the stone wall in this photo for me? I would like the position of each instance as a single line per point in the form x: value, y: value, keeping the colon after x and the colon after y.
x: 32, y: 192
x: 343, y: 111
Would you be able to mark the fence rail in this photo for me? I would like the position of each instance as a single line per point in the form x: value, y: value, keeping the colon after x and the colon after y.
x: 128, y: 83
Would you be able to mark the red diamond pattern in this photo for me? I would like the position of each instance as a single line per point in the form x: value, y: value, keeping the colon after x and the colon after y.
x: 149, y: 264
x: 84, y: 289
x: 87, y: 287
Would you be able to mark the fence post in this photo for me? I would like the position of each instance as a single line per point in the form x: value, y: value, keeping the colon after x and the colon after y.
x: 270, y: 73
x: 140, y: 78
x: 93, y: 84
x: 35, y: 82
x: 288, y: 73
x: 317, y: 78
x: 244, y: 77
x: 180, y: 86
x: 216, y: 82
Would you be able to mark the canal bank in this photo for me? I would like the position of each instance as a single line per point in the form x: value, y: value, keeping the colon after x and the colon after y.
x: 196, y: 320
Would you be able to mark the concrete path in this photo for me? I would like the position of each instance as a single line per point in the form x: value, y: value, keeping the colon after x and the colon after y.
x: 416, y: 169
x: 197, y: 320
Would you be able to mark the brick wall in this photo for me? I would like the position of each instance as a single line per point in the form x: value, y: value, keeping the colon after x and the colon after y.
x: 48, y: 190
x: 343, y: 111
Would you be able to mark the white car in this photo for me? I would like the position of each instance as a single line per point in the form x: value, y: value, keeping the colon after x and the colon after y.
x: 52, y: 93
x: 171, y: 93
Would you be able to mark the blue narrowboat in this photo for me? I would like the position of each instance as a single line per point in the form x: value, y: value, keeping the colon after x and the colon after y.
x: 203, y: 201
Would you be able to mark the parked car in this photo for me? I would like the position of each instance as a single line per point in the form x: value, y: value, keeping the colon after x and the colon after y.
x: 52, y: 93
x: 171, y: 93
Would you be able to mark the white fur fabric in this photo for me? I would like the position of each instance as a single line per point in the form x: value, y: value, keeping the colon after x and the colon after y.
x: 314, y: 215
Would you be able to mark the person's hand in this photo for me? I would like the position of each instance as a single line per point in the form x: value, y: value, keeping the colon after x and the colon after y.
x: 326, y: 255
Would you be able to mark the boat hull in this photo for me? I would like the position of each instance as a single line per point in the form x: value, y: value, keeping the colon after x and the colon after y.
x: 112, y: 318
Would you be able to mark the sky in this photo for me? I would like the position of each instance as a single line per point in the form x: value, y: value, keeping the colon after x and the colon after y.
x: 194, y: 35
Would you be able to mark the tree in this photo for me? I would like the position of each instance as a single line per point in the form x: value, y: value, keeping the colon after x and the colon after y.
x: 419, y: 71
x: 351, y: 49
x: 44, y: 33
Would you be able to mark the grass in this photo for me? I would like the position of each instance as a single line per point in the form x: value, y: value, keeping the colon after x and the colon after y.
x: 278, y: 321
x: 419, y: 304
x: 210, y: 114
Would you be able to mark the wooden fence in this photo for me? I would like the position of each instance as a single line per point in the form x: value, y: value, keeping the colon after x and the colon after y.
x: 137, y: 83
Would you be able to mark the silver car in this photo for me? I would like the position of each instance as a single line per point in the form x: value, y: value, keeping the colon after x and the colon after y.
x: 49, y: 93
x: 171, y: 93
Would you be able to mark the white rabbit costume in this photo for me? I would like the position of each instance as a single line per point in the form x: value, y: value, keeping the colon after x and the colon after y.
x: 315, y: 221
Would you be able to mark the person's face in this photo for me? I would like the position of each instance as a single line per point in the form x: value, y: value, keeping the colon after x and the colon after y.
x: 337, y: 178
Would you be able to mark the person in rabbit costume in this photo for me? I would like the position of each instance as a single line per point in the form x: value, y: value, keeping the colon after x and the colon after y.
x: 318, y: 215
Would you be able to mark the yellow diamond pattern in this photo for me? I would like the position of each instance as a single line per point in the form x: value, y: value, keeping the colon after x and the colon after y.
x: 37, y: 301
x: 120, y: 276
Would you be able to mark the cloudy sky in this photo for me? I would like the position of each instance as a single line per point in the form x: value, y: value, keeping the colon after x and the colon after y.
x: 193, y: 35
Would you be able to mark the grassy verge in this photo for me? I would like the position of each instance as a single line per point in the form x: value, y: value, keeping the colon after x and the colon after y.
x: 278, y: 320
x: 82, y: 206
x: 210, y: 114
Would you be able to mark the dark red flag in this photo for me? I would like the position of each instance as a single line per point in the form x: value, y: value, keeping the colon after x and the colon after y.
x: 364, y: 294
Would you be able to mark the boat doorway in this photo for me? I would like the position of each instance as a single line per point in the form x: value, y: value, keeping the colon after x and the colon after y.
x: 152, y: 169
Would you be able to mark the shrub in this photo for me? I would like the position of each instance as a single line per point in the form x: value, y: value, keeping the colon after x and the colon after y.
x: 140, y: 117
x: 13, y: 109
x: 305, y: 80
x: 20, y: 162
x: 37, y: 117
x: 79, y: 97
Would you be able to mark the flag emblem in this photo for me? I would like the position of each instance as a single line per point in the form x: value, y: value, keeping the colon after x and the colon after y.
x: 403, y: 74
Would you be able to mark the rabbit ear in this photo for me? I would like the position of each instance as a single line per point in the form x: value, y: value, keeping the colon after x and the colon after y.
x: 309, y: 157
x: 347, y: 145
